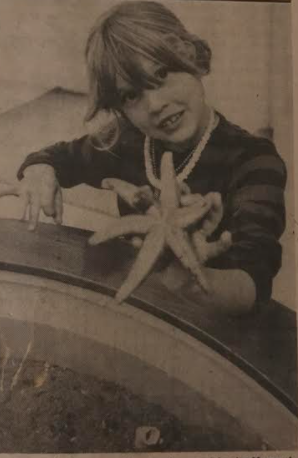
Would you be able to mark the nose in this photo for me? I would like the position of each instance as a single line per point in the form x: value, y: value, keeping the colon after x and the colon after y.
x: 155, y: 99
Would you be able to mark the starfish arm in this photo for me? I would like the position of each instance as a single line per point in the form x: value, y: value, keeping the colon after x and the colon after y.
x: 216, y: 213
x: 150, y: 251
x: 191, y: 214
x: 180, y: 244
x: 131, y: 224
x: 170, y: 192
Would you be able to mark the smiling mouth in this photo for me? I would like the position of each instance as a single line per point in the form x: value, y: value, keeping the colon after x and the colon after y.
x: 171, y: 121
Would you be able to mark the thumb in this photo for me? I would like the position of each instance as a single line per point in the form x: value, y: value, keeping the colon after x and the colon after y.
x: 136, y: 242
x: 215, y: 215
x: 184, y: 188
x: 220, y: 246
x: 48, y: 197
x: 58, y: 207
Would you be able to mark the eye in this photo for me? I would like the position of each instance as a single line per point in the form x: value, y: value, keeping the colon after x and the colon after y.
x: 129, y: 97
x: 162, y: 73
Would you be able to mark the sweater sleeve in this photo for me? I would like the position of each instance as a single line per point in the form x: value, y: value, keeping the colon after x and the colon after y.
x: 255, y: 215
x: 75, y: 162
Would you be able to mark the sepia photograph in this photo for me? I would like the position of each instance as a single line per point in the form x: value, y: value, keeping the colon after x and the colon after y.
x: 147, y: 228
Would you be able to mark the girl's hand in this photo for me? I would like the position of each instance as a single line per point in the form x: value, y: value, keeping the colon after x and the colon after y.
x: 213, y: 217
x: 39, y: 190
x: 142, y: 200
x: 206, y: 250
x: 139, y: 198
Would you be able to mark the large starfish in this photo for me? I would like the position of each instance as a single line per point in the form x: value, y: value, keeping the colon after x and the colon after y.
x: 166, y: 224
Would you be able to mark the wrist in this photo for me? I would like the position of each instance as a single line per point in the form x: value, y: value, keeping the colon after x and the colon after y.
x: 39, y: 169
x: 174, y: 276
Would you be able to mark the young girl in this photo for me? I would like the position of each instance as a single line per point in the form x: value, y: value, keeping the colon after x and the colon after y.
x: 147, y: 70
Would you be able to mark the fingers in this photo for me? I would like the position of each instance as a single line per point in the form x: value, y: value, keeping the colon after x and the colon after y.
x: 220, y: 246
x: 139, y: 198
x: 39, y: 189
x: 144, y: 198
x: 226, y: 240
x: 29, y: 200
x: 215, y: 214
x: 201, y: 246
x: 34, y: 211
x: 208, y: 250
x: 191, y: 214
x: 34, y: 203
x: 51, y: 199
x: 136, y: 242
x: 26, y: 201
x: 48, y: 193
x: 127, y: 191
x: 58, y: 207
x: 184, y: 188
x: 189, y: 199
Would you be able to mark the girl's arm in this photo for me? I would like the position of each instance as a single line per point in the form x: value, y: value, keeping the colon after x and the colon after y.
x: 241, y: 278
x: 231, y: 291
x: 74, y: 162
x: 63, y: 164
x: 82, y: 161
x: 256, y: 217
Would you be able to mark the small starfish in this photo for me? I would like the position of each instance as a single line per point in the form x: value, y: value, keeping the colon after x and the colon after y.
x: 164, y: 225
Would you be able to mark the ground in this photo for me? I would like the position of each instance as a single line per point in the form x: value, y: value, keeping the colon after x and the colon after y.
x: 52, y: 409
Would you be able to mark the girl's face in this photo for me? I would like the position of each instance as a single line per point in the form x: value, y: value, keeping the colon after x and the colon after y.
x: 173, y: 112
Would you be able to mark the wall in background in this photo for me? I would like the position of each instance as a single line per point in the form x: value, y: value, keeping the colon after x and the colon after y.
x: 42, y: 44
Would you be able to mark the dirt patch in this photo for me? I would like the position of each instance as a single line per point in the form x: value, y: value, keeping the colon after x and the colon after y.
x: 55, y: 410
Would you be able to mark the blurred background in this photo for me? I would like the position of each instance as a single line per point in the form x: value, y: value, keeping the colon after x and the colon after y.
x: 43, y: 88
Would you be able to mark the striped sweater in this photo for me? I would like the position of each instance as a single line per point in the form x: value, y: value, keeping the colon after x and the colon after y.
x: 246, y: 170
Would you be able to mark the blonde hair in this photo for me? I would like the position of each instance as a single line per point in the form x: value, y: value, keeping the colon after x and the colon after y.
x: 131, y: 29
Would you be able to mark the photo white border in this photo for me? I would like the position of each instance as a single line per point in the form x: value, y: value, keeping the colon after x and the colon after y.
x: 257, y: 454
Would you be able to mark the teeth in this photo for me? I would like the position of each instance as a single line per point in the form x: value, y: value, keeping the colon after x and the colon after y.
x: 171, y: 120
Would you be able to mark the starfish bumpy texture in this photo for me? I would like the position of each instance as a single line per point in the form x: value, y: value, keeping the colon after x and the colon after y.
x: 166, y: 224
